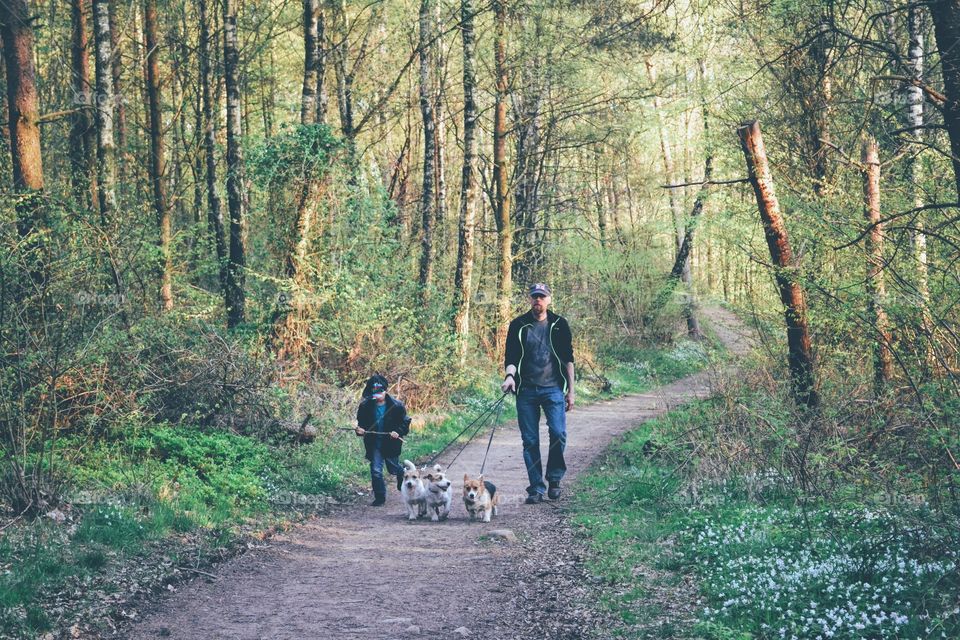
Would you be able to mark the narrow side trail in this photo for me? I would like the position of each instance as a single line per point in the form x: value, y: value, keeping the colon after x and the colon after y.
x: 364, y: 572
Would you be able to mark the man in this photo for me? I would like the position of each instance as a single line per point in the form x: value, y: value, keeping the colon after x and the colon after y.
x: 378, y: 415
x: 539, y: 369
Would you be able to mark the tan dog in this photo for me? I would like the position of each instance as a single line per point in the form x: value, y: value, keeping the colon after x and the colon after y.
x: 413, y: 492
x: 480, y: 497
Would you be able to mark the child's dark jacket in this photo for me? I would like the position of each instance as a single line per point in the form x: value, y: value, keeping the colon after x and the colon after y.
x: 394, y: 419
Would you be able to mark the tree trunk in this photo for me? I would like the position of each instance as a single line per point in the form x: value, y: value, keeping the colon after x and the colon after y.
x: 500, y: 176
x: 266, y: 84
x: 236, y: 276
x: 463, y: 290
x: 429, y: 147
x: 344, y: 80
x: 105, y: 101
x: 440, y: 199
x: 27, y: 163
x: 311, y: 60
x: 157, y: 163
x: 599, y: 200
x: 214, y: 209
x: 106, y: 150
x: 83, y: 167
x: 946, y: 24
x: 816, y: 102
x: 199, y: 185
x: 914, y: 170
x: 791, y: 292
x: 182, y: 160
x: 876, y: 290
x: 323, y: 98
x: 116, y: 69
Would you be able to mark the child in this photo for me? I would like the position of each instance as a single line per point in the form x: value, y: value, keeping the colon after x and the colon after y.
x: 381, y: 421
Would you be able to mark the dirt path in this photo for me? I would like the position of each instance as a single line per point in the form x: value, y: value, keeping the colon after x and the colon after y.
x: 363, y: 572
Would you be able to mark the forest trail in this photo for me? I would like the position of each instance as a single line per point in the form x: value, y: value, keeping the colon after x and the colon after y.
x: 363, y: 572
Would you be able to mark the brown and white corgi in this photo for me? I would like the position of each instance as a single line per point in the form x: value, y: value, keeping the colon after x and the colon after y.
x: 480, y: 497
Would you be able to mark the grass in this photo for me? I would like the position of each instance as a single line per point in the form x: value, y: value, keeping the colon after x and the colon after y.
x: 635, y: 370
x: 768, y: 564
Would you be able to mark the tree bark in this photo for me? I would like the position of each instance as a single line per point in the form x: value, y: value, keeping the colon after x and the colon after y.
x: 182, y: 160
x: 816, y: 103
x: 83, y: 167
x: 116, y: 71
x: 157, y: 160
x: 946, y: 24
x: 914, y: 99
x: 876, y: 290
x: 214, y: 209
x: 500, y: 174
x: 310, y: 192
x: 344, y: 78
x: 235, y: 294
x: 311, y: 60
x: 323, y: 97
x: 105, y: 101
x: 598, y: 199
x: 22, y: 103
x: 429, y: 147
x: 462, y: 286
x: 440, y: 199
x: 106, y: 150
x: 800, y: 356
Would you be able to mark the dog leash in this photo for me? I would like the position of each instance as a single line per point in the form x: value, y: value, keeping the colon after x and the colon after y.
x: 382, y: 433
x: 496, y: 421
x: 486, y: 413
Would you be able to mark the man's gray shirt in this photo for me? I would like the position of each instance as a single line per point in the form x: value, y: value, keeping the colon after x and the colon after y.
x: 538, y: 366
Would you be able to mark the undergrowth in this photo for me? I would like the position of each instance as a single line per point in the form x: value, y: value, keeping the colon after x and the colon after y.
x: 770, y: 560
x: 161, y: 486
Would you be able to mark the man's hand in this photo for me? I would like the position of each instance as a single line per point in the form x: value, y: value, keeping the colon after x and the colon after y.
x: 394, y: 435
x: 360, y: 431
x: 570, y: 400
x: 509, y: 385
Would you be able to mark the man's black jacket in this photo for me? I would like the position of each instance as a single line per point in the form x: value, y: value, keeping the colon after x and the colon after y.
x: 561, y: 345
x: 394, y: 419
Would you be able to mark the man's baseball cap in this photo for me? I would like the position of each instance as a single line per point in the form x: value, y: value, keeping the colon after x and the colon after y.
x: 539, y: 289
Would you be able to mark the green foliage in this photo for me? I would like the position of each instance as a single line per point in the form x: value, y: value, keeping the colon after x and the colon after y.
x: 110, y: 525
x: 295, y: 154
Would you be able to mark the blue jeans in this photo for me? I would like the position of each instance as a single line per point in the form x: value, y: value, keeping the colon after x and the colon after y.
x: 530, y: 399
x: 376, y: 472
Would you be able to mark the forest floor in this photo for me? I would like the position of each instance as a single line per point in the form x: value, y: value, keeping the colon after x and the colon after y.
x: 364, y: 572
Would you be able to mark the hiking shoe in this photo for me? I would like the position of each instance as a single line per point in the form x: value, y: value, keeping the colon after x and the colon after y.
x: 535, y: 498
x: 554, y: 492
x: 379, y: 501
